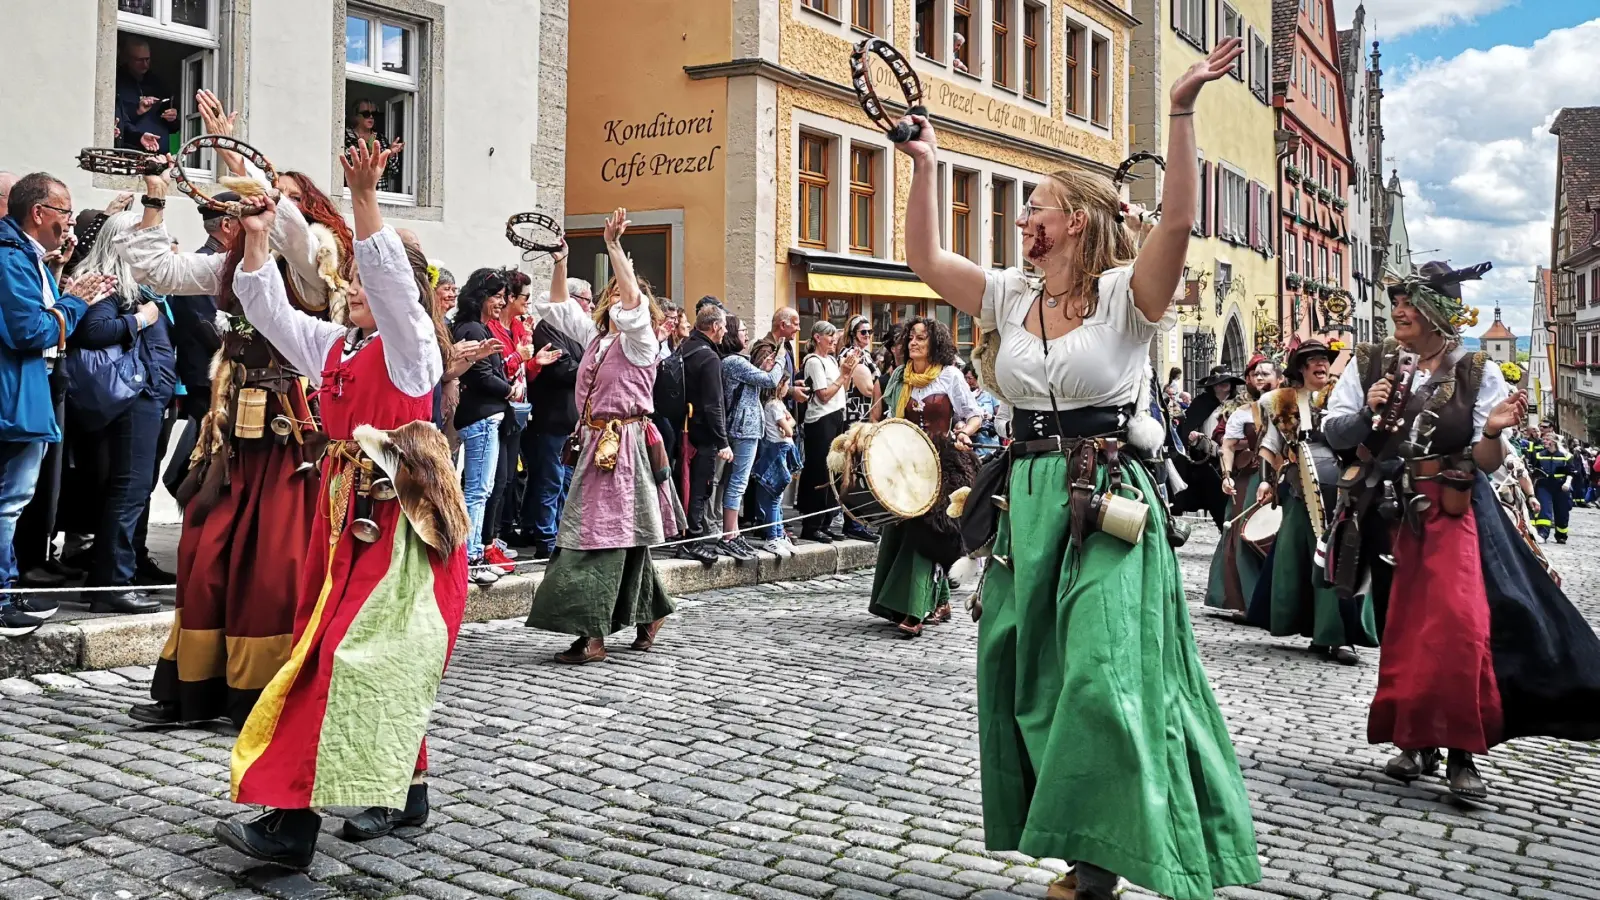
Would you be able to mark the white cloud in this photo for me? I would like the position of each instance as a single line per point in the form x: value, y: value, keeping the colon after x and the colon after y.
x: 1471, y: 138
x: 1393, y: 18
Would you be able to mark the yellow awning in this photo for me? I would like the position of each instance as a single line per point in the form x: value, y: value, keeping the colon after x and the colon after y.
x: 857, y: 284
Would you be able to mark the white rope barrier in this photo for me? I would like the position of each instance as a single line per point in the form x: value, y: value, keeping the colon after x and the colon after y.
x: 515, y: 564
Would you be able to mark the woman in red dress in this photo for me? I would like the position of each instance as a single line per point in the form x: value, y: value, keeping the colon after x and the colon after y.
x: 385, y: 580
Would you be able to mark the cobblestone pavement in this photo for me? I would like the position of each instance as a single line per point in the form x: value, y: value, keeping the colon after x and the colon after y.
x: 780, y: 744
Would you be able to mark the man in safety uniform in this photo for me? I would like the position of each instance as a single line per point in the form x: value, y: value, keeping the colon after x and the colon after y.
x: 1553, y: 468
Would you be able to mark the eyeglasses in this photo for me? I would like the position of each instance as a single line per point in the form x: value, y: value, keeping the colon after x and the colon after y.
x: 64, y: 212
x: 866, y: 331
x: 366, y: 113
x: 1029, y: 210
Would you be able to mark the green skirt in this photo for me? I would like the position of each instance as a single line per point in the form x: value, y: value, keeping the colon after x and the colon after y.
x: 1100, y: 739
x: 904, y: 583
x: 1235, y: 568
x: 593, y: 593
x: 1303, y: 602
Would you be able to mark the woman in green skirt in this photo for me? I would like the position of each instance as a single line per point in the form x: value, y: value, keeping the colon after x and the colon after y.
x: 1236, y: 566
x: 911, y: 584
x: 1101, y: 741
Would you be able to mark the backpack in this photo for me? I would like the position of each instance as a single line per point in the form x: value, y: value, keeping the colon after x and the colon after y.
x: 671, y: 392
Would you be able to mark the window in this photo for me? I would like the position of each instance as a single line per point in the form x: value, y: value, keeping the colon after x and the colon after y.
x: 1582, y: 299
x: 1336, y: 274
x: 380, y: 79
x: 1594, y: 283
x: 863, y: 199
x: 1322, y: 169
x: 1231, y: 24
x: 863, y: 16
x: 813, y: 216
x: 1002, y: 43
x: 1305, y: 86
x: 1074, y: 83
x: 1202, y: 222
x: 1264, y: 218
x: 929, y: 28
x: 1291, y: 262
x: 1000, y: 225
x: 175, y: 45
x: 1310, y: 257
x: 1322, y: 263
x: 1338, y: 183
x: 961, y: 212
x: 1233, y: 208
x: 961, y: 37
x: 1099, y: 104
x: 1260, y: 67
x: 822, y: 6
x: 1033, y: 28
x: 1189, y: 20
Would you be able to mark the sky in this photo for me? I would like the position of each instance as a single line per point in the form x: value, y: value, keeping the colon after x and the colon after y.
x: 1470, y: 89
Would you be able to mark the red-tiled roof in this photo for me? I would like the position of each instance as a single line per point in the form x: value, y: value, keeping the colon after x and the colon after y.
x: 1498, y: 332
x: 1285, y: 18
x: 1578, y: 128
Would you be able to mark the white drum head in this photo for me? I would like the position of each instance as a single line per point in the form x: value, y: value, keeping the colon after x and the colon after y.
x: 902, y: 468
x: 1263, y: 523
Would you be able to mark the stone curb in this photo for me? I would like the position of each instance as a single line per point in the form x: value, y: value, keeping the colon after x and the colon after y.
x: 112, y: 642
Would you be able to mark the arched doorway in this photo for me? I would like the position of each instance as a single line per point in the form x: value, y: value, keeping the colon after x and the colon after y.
x: 1233, y: 346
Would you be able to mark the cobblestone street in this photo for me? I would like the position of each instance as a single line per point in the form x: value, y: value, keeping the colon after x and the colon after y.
x: 779, y: 744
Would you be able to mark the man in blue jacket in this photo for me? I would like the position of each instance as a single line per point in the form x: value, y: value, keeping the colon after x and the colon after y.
x: 1555, y: 476
x: 36, y: 316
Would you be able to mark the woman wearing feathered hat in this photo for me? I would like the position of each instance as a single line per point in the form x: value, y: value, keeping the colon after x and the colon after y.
x: 1300, y: 472
x: 1479, y: 643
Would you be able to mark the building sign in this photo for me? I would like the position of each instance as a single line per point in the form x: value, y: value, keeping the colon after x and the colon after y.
x: 645, y: 158
x: 973, y: 107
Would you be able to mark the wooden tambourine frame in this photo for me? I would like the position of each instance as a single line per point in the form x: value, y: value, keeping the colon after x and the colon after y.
x: 530, y: 246
x: 122, y: 161
x: 1121, y: 176
x: 867, y: 96
x: 227, y: 144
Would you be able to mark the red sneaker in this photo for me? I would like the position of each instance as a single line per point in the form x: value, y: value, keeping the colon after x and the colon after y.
x: 496, y: 557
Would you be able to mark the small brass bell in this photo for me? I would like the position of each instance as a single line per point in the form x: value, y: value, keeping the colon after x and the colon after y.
x: 383, y: 489
x: 366, y: 530
x: 282, y: 426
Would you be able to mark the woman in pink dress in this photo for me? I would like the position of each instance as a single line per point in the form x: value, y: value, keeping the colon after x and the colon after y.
x: 601, y: 578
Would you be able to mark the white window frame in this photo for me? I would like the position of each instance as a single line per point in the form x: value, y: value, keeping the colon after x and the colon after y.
x: 1260, y: 66
x: 1184, y: 13
x: 1046, y: 49
x: 841, y: 136
x: 161, y: 25
x: 1237, y: 29
x: 1106, y: 74
x: 841, y: 22
x: 1233, y: 204
x: 189, y: 110
x: 411, y: 83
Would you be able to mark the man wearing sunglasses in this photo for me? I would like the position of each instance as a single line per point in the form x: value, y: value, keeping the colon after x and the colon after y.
x: 362, y: 128
x: 36, y: 316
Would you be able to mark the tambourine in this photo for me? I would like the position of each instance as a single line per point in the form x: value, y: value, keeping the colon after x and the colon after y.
x: 534, y: 222
x: 1122, y: 176
x: 122, y: 161
x: 233, y: 145
x: 867, y: 96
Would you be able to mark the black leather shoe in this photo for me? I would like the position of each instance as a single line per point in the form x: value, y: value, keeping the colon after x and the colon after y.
x: 147, y: 572
x: 155, y: 713
x: 287, y: 837
x: 818, y: 537
x: 857, y: 533
x: 1409, y: 765
x: 1462, y: 773
x: 128, y: 603
x: 377, y: 821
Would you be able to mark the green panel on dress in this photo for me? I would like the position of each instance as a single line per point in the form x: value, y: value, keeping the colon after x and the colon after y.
x: 903, y: 583
x: 1101, y: 740
x: 386, y: 673
x: 1248, y: 563
x: 1303, y: 602
x: 594, y: 593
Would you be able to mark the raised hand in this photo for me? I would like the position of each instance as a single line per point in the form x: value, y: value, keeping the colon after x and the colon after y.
x: 616, y: 226
x: 925, y: 144
x: 260, y: 213
x: 364, y: 165
x: 123, y: 201
x: 547, y: 355
x: 216, y: 119
x: 1508, y: 413
x: 1188, y: 85
x: 150, y: 143
x: 90, y: 289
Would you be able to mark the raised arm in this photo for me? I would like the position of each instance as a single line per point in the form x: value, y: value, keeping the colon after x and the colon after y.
x: 621, y: 264
x: 304, y: 341
x: 956, y: 279
x: 1161, y: 260
x: 410, y: 343
x: 148, y: 251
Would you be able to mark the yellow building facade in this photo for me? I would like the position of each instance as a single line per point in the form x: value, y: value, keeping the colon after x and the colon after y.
x: 1228, y: 301
x: 756, y: 177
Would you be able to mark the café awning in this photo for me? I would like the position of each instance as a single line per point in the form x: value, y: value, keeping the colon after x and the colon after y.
x: 832, y: 274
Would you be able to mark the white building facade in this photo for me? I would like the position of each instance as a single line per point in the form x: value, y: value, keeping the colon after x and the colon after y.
x: 1364, y: 283
x: 477, y: 91
x: 1541, y: 387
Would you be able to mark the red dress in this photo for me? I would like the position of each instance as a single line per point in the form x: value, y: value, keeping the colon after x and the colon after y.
x: 342, y: 723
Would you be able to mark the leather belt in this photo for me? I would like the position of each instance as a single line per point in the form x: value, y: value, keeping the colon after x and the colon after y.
x: 599, y: 423
x: 1062, y: 445
x: 1428, y: 468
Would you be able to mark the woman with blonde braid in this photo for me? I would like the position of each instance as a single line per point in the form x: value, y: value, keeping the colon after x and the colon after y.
x: 1101, y: 741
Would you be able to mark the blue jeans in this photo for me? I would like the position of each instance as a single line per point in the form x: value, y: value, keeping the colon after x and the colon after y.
x: 769, y: 511
x: 19, y: 473
x: 548, y: 480
x: 480, y: 441
x: 131, y: 439
x: 737, y: 475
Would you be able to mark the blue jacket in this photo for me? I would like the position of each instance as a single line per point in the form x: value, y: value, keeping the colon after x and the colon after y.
x: 26, y: 331
x: 743, y: 381
x: 106, y: 325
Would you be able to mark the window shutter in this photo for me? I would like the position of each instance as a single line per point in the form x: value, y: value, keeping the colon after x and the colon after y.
x: 1217, y: 199
x: 1251, y: 226
x: 1205, y: 199
x: 1269, y: 225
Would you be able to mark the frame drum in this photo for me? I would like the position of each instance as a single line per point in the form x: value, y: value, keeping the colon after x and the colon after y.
x: 1260, y: 531
x: 894, y: 475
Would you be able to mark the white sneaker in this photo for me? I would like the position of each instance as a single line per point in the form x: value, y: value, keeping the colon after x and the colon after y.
x: 777, y: 548
x: 788, y: 547
x: 510, y: 553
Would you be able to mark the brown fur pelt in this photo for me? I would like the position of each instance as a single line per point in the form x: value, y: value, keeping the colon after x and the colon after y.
x: 417, y: 457
x: 935, y: 534
x: 208, y: 463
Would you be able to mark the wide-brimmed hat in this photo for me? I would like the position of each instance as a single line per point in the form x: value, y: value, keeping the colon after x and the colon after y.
x: 1436, y: 292
x: 1302, y: 354
x: 1219, y: 375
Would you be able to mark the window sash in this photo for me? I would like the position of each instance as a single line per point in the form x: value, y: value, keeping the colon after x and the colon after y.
x: 928, y: 28
x: 160, y: 23
x: 1097, y: 61
x: 1002, y: 43
x: 1073, y: 51
x: 863, y: 200
x: 1231, y: 24
x: 1189, y: 20
x: 961, y: 213
x: 864, y: 16
x: 999, y: 225
x: 1032, y: 18
x: 813, y: 222
x: 372, y: 71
